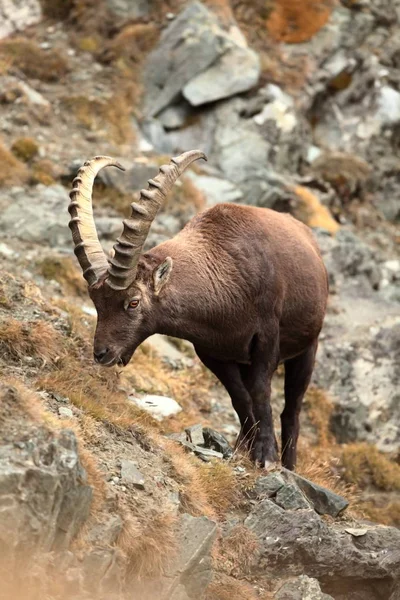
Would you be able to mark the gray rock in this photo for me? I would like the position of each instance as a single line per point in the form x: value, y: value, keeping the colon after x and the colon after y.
x: 301, y: 542
x: 195, y: 539
x: 199, y: 59
x: 43, y: 493
x: 16, y: 15
x: 194, y: 434
x: 301, y: 588
x: 290, y: 497
x: 65, y: 412
x: 45, y: 222
x: 176, y: 115
x: 216, y: 190
x: 129, y: 9
x: 188, y: 46
x: 323, y: 501
x: 216, y: 441
x: 106, y: 532
x: 159, y: 407
x: 269, y: 484
x: 236, y: 71
x: 131, y: 475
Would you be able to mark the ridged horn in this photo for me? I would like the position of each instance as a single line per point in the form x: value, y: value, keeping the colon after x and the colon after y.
x: 88, y: 249
x: 128, y: 247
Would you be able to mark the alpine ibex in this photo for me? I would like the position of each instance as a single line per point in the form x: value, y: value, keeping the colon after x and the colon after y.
x: 247, y: 286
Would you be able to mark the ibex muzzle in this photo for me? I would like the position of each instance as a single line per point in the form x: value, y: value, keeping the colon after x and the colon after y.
x: 247, y: 286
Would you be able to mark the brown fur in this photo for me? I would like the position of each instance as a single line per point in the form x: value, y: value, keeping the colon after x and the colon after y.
x: 249, y: 289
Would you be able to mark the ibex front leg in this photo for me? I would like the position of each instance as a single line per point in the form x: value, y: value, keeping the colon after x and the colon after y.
x: 229, y: 375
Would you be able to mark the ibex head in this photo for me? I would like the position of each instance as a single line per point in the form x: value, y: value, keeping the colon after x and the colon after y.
x: 127, y: 292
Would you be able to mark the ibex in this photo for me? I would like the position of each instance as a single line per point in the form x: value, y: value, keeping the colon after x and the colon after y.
x: 246, y: 285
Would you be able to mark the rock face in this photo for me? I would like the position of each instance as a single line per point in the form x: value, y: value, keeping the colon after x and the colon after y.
x: 300, y: 541
x: 15, y: 15
x: 207, y: 63
x: 301, y: 588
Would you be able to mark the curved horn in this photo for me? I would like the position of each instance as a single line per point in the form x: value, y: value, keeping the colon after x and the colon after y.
x: 129, y: 246
x: 88, y: 249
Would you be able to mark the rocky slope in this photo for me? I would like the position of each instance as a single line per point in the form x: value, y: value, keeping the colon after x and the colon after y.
x: 298, y: 109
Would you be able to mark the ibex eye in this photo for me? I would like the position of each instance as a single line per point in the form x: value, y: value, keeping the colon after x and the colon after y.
x: 133, y: 304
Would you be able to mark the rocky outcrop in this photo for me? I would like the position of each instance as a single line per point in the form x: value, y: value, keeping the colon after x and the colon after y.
x: 16, y: 15
x: 197, y: 58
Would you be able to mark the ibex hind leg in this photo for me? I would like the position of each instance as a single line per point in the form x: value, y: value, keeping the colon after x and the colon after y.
x: 229, y: 375
x: 298, y: 371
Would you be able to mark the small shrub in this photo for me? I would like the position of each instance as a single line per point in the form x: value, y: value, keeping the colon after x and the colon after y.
x: 44, y: 172
x: 13, y: 171
x: 219, y: 484
x: 25, y: 149
x: 46, y: 65
x: 149, y: 546
x: 364, y: 465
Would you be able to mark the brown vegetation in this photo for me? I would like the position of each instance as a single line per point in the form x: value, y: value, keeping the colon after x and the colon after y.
x: 29, y: 340
x: 364, y: 465
x: 94, y: 114
x: 228, y: 588
x: 25, y: 149
x: 296, y: 21
x: 149, y: 546
x: 312, y: 212
x: 23, y: 54
x: 13, y: 171
x: 220, y: 486
x: 64, y: 270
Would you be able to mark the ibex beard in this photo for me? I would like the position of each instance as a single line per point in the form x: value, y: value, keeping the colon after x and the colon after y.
x: 247, y: 286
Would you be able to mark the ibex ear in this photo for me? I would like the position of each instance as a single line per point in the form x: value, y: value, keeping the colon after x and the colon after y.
x: 161, y: 274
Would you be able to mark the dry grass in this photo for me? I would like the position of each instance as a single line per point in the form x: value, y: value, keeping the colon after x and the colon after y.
x: 35, y: 63
x: 25, y: 149
x: 186, y: 200
x: 43, y: 171
x: 237, y: 552
x: 319, y: 409
x: 65, y: 271
x: 312, y: 212
x: 150, y: 546
x: 364, y: 465
x: 296, y: 21
x: 113, y: 115
x: 13, y: 171
x: 219, y: 484
x: 32, y: 340
x: 227, y: 588
x: 388, y: 514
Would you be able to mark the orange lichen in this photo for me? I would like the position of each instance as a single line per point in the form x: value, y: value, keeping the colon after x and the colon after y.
x: 312, y: 212
x: 296, y: 21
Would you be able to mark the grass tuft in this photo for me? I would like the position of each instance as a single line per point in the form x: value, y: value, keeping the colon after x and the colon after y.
x: 33, y: 61
x: 25, y: 149
x: 13, y: 171
x: 65, y: 271
x: 364, y: 465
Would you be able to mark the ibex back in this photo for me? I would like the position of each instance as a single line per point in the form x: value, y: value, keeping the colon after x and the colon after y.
x: 247, y: 286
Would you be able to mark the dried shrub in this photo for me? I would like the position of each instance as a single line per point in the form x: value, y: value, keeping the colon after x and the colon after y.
x: 25, y: 149
x: 319, y: 409
x: 132, y: 43
x: 57, y: 9
x: 227, y: 588
x: 237, y: 552
x: 364, y: 465
x: 13, y: 171
x: 312, y: 212
x: 65, y: 271
x: 32, y: 340
x: 219, y: 484
x: 23, y: 54
x: 296, y: 21
x: 113, y: 114
x: 44, y: 172
x: 150, y: 545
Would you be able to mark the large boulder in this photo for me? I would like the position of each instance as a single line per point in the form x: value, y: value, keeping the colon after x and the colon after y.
x: 196, y: 57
